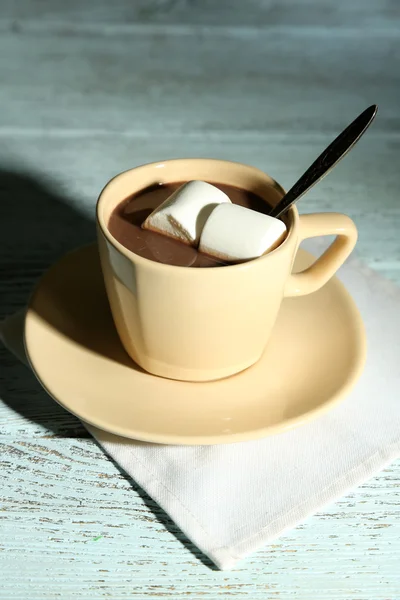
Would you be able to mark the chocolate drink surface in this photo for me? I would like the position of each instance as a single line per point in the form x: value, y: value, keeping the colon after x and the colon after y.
x: 125, y: 225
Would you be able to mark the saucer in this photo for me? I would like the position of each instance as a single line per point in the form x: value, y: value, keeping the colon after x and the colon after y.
x: 315, y: 355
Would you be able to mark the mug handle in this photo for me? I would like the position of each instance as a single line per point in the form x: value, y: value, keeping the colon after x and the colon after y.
x: 314, y: 225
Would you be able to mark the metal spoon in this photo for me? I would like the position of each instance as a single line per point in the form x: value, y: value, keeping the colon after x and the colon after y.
x: 327, y: 160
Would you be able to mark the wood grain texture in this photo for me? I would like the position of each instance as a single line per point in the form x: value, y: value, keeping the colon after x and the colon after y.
x: 163, y: 81
x: 73, y: 526
x: 91, y: 88
x: 258, y: 13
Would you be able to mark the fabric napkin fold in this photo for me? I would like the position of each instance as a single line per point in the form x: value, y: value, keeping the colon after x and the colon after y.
x: 232, y: 499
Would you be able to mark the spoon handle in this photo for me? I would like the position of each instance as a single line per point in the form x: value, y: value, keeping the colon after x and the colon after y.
x: 327, y: 160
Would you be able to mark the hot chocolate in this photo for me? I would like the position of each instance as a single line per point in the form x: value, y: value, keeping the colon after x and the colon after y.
x: 126, y: 220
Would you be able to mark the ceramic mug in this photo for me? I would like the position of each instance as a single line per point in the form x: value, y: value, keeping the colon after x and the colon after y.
x: 203, y: 324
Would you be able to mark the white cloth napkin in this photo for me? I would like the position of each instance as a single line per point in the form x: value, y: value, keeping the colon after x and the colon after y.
x: 230, y: 500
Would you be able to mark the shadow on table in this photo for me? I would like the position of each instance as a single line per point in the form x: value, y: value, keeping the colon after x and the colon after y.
x: 38, y: 225
x: 163, y: 518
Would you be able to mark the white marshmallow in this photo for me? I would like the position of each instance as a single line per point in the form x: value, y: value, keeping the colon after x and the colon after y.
x: 184, y: 213
x: 234, y: 233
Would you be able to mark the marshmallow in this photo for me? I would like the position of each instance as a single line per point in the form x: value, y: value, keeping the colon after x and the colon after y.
x: 234, y: 233
x: 184, y: 213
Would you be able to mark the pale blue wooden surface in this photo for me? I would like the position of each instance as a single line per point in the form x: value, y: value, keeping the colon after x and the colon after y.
x: 91, y: 88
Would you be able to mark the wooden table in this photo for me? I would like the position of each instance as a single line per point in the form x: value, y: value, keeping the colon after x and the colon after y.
x: 88, y: 89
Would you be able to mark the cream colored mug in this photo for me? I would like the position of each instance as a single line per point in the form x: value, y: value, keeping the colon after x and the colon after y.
x: 204, y: 324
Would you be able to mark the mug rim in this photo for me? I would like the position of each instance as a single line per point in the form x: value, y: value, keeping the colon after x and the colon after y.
x: 147, y: 262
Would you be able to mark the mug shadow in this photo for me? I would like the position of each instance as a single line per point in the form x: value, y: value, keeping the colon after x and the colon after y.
x: 38, y: 226
x: 162, y: 517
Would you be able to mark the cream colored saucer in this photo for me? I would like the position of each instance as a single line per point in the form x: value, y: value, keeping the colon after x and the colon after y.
x: 316, y: 354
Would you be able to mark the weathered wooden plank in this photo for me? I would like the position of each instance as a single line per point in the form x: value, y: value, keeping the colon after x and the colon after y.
x: 71, y: 522
x: 258, y: 13
x: 160, y: 83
